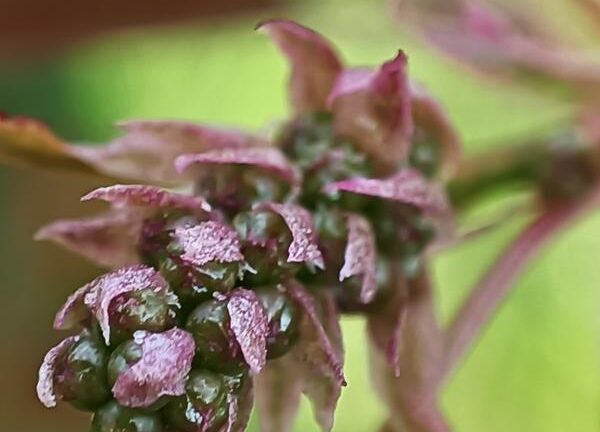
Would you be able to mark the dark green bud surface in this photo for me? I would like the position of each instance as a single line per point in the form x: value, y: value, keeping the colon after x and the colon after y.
x: 81, y: 378
x: 216, y: 348
x: 114, y: 418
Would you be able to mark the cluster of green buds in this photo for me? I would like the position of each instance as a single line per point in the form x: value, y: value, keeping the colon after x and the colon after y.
x: 232, y: 291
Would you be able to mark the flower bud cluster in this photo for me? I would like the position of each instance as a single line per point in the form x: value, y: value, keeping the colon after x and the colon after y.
x: 218, y: 297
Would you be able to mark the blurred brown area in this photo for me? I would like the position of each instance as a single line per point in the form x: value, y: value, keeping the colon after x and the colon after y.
x: 31, y: 272
x: 40, y: 27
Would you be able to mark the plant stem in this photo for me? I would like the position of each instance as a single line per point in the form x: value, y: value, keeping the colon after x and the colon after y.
x: 493, y: 288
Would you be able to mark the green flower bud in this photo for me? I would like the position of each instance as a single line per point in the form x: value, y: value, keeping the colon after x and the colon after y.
x: 81, y: 377
x: 284, y: 321
x: 194, y: 285
x: 216, y: 347
x: 114, y: 418
x: 140, y: 310
x: 233, y: 188
x: 203, y: 407
x: 348, y: 293
x: 265, y: 243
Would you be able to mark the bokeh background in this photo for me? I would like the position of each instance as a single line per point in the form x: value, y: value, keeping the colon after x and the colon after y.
x: 537, y: 367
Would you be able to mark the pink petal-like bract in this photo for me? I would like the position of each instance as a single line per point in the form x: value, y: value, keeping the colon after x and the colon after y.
x: 407, y: 186
x: 360, y: 256
x: 304, y: 242
x: 432, y: 120
x: 250, y: 326
x: 147, y: 197
x: 314, y: 63
x: 268, y: 159
x: 207, y: 242
x: 108, y: 239
x: 148, y: 149
x: 45, y: 384
x: 103, y: 290
x: 161, y: 371
x: 373, y: 109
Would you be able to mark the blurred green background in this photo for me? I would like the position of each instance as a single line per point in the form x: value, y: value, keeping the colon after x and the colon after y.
x: 537, y: 367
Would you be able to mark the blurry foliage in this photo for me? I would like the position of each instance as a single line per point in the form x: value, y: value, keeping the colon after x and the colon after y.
x: 537, y: 368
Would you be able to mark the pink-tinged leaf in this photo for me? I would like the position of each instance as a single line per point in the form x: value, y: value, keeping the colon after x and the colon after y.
x: 409, y: 393
x: 73, y: 312
x: 516, y: 46
x: 108, y: 239
x: 147, y: 197
x: 27, y: 141
x: 314, y: 63
x: 277, y: 390
x: 207, y: 242
x: 385, y: 326
x: 324, y: 356
x: 161, y: 371
x: 148, y: 149
x: 268, y: 159
x: 304, y: 242
x: 360, y: 257
x: 433, y: 124
x: 45, y: 384
x: 250, y: 325
x: 319, y: 354
x: 103, y: 290
x: 407, y: 186
x: 373, y: 109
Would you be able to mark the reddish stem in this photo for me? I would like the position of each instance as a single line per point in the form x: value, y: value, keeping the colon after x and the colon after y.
x: 493, y: 288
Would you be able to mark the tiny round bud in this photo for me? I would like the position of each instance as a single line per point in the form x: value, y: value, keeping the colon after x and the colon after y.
x: 140, y: 310
x: 265, y: 243
x: 284, y: 321
x: 216, y: 347
x: 121, y: 359
x: 114, y: 418
x: 203, y: 407
x: 81, y: 377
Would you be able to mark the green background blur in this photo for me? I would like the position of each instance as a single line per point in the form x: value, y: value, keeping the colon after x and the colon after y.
x: 537, y: 367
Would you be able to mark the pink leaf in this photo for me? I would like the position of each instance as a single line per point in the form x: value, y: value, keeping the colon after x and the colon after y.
x: 315, y: 65
x: 304, y: 243
x: 325, y: 358
x: 407, y: 186
x: 372, y: 107
x: 147, y: 197
x: 319, y: 354
x: 207, y: 242
x: 360, y: 256
x: 149, y: 148
x: 108, y: 240
x: 250, y: 326
x: 161, y: 371
x: 267, y: 159
x: 45, y: 385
